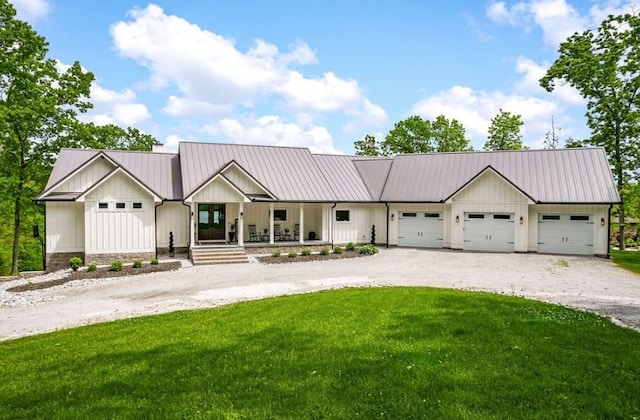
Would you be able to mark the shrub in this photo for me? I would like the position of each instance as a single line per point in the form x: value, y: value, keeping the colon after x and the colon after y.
x: 305, y: 252
x: 350, y: 246
x: 154, y: 261
x: 116, y: 266
x: 92, y: 267
x: 75, y: 263
x: 368, y: 249
x: 137, y: 264
x: 276, y: 253
x: 337, y: 250
x: 324, y: 251
x: 292, y: 254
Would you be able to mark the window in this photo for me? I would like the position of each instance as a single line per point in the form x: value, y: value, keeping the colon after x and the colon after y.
x: 476, y: 216
x: 550, y: 217
x: 343, y: 215
x: 409, y: 214
x: 501, y: 217
x: 432, y: 215
x: 120, y: 206
x: 137, y: 206
x: 580, y: 218
x: 280, y: 215
x: 103, y: 206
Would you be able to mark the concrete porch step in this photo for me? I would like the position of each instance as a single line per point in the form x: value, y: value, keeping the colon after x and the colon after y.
x: 219, y: 255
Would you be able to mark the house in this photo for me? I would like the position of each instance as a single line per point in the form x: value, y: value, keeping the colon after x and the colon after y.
x: 107, y: 205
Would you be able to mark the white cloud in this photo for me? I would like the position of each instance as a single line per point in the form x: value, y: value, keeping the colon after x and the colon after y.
x: 113, y: 107
x: 209, y: 76
x: 171, y: 143
x: 516, y: 15
x: 529, y: 84
x: 272, y: 130
x: 31, y: 10
x: 474, y: 110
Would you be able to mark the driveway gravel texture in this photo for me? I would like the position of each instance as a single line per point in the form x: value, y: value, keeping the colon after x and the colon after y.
x: 586, y: 283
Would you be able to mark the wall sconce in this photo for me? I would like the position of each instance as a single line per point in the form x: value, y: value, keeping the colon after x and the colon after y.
x: 392, y: 216
x: 457, y: 219
x: 602, y: 221
x: 521, y: 220
x: 241, y: 215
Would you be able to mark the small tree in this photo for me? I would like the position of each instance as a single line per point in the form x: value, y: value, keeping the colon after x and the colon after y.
x: 552, y: 138
x: 171, y: 248
x: 504, y: 132
x: 368, y: 146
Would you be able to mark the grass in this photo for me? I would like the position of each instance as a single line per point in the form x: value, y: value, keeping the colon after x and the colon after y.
x: 629, y: 260
x: 390, y: 352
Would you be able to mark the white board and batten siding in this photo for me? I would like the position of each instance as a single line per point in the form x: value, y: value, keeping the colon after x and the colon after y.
x: 172, y: 217
x: 361, y: 219
x: 496, y: 208
x: 217, y: 191
x: 86, y: 177
x: 569, y: 229
x: 65, y: 227
x: 127, y: 222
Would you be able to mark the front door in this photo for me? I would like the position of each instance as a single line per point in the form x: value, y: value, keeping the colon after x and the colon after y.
x: 211, y: 222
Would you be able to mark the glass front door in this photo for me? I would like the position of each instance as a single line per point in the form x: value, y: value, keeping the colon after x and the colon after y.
x: 211, y: 219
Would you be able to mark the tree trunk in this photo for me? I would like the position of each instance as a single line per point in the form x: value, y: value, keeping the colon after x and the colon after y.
x: 16, y: 235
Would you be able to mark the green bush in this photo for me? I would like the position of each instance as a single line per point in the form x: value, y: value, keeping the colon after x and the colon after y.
x: 154, y: 261
x: 137, y: 264
x: 337, y: 250
x: 350, y: 246
x: 75, y: 263
x: 305, y: 252
x: 92, y: 267
x: 368, y: 249
x: 116, y: 266
x: 324, y: 251
x: 276, y: 253
x: 292, y: 254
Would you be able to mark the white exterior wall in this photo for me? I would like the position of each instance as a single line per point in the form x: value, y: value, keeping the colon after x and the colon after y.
x: 490, y: 194
x: 258, y: 214
x: 218, y: 191
x: 86, y: 177
x: 65, y: 227
x: 396, y: 208
x: 599, y: 212
x: 358, y: 228
x: 172, y: 217
x: 244, y: 183
x: 119, y: 231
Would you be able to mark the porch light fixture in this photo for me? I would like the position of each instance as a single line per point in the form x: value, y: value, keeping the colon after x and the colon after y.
x: 457, y: 219
x: 241, y: 215
x: 521, y: 220
x: 392, y: 216
x: 602, y: 221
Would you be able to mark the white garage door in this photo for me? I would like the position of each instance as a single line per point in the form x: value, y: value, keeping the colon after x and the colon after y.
x: 420, y: 229
x: 566, y: 234
x: 489, y: 232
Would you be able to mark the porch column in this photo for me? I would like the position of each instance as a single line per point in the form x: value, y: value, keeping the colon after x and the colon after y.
x: 240, y: 226
x: 271, y: 238
x: 301, y: 228
x: 192, y: 220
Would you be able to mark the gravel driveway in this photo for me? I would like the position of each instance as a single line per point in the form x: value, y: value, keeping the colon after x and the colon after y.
x: 592, y: 284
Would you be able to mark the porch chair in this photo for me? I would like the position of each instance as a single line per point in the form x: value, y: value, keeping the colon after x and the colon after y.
x: 296, y: 231
x: 277, y: 233
x: 253, y: 234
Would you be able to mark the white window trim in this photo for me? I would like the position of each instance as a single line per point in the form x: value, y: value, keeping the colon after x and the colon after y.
x: 335, y: 216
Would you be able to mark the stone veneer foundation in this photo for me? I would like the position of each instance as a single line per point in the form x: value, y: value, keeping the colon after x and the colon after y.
x: 60, y: 260
x: 125, y: 258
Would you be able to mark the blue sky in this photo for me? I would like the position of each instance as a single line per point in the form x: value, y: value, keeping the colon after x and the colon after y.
x: 318, y: 74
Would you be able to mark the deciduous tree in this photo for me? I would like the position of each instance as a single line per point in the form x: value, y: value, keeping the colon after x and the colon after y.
x: 504, y: 132
x: 417, y: 135
x: 368, y: 146
x: 604, y: 66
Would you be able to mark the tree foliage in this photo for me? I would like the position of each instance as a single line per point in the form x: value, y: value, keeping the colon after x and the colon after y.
x: 552, y: 138
x: 417, y: 135
x: 604, y: 66
x: 504, y: 132
x: 368, y: 146
x: 111, y: 137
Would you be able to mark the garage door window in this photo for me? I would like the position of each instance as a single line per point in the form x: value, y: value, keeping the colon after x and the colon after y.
x: 409, y: 214
x: 579, y: 218
x: 476, y: 216
x: 550, y: 217
x: 343, y: 215
x: 501, y: 217
x: 432, y: 215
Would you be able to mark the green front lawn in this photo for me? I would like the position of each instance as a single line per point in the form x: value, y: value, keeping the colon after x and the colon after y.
x: 629, y: 260
x: 356, y: 353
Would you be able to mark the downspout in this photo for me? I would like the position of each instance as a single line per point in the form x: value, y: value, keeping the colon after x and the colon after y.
x: 386, y: 204
x: 609, y: 232
x: 190, y: 227
x: 331, y: 221
x: 155, y: 225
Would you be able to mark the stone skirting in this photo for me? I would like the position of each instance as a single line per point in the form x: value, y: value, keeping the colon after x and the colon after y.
x: 60, y: 260
x: 127, y: 257
x: 178, y: 250
x: 284, y: 248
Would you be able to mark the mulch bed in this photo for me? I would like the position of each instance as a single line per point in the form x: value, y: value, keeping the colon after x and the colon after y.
x: 100, y: 273
x: 284, y: 258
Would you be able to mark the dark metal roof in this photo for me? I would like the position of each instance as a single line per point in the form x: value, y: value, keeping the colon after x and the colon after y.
x: 343, y: 177
x: 374, y: 173
x: 580, y: 175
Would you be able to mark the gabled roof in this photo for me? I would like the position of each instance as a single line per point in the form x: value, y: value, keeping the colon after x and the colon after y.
x: 489, y: 169
x: 343, y: 177
x: 580, y: 175
x: 158, y: 172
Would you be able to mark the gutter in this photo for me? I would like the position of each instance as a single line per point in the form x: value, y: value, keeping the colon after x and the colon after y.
x: 387, y: 222
x: 331, y: 221
x: 155, y: 225
x: 190, y: 227
x: 609, y: 232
